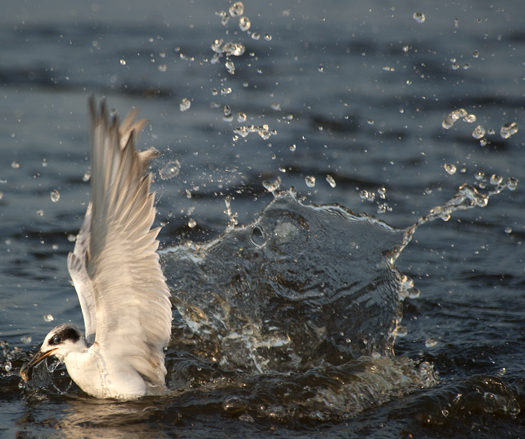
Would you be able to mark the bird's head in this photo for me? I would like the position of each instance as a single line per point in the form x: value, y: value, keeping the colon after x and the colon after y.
x: 60, y: 342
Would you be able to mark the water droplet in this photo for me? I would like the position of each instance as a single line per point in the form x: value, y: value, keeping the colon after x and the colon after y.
x: 496, y: 179
x: 512, y: 183
x: 26, y: 339
x: 478, y: 132
x: 48, y: 318
x: 163, y: 68
x: 276, y: 106
x: 15, y: 165
x: 226, y: 91
x: 401, y: 331
x: 236, y: 9
x: 293, y: 147
x: 8, y: 366
x: 483, y: 142
x: 475, y: 54
x: 230, y: 66
x: 86, y: 176
x: 55, y: 196
x: 466, y: 66
x: 447, y: 124
x: 430, y: 342
x: 40, y: 212
x: 272, y: 186
x: 71, y: 237
x: 455, y: 66
x: 419, y: 17
x: 246, y: 418
x: 185, y: 104
x: 310, y: 181
x: 171, y: 170
x: 256, y: 36
x: 508, y: 129
x: 44, y: 163
x: 470, y: 118
x: 508, y: 230
x: 122, y: 62
x: 450, y: 168
x: 244, y: 23
x: 188, y: 193
x: 241, y: 117
x: 406, y: 49
x: 268, y: 37
x: 192, y: 223
x: 370, y: 122
x: 330, y: 180
x: 233, y: 49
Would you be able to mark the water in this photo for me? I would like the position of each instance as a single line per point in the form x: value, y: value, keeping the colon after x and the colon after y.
x: 309, y: 80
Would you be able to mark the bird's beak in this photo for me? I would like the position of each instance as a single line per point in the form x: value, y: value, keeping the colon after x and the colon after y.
x: 27, y: 368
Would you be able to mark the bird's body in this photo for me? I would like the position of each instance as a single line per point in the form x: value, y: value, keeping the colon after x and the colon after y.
x: 117, y: 275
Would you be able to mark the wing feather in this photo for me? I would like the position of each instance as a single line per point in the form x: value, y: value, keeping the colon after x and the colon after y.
x: 115, y: 267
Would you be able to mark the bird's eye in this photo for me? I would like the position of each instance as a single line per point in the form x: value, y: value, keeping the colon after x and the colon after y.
x: 56, y: 339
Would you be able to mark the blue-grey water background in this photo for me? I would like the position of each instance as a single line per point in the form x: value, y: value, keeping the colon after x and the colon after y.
x: 361, y: 90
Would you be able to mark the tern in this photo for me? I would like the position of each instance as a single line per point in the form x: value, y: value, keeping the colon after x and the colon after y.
x: 116, y: 273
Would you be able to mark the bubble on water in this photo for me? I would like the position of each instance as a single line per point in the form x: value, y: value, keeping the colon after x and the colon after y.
x: 171, y: 170
x: 192, y: 223
x: 491, y: 132
x: 55, y: 195
x: 479, y: 132
x: 483, y: 142
x: 26, y: 339
x: 230, y: 66
x: 406, y: 49
x: 508, y: 130
x: 276, y: 106
x: 430, y: 342
x: 163, y: 68
x: 460, y: 112
x: 455, y: 66
x: 381, y: 192
x: 244, y: 23
x: 466, y: 66
x: 272, y: 186
x: 241, y: 117
x: 185, y: 104
x: 71, y: 237
x: 330, y: 180
x: 419, y: 17
x: 241, y: 131
x: 370, y: 122
x: 237, y: 9
x: 310, y: 181
x: 475, y: 54
x: 450, y: 168
x: 256, y: 36
x: 512, y: 183
x: 44, y: 163
x: 15, y: 165
x: 228, y: 116
x: 508, y: 230
x: 413, y: 293
x: 40, y: 212
x: 188, y: 193
x: 122, y: 62
x: 86, y: 176
x: 48, y: 318
x: 226, y: 91
x: 224, y: 20
x: 293, y: 147
x: 268, y: 37
x: 471, y: 118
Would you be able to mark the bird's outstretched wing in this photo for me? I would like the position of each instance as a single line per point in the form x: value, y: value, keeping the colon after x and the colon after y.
x: 115, y: 267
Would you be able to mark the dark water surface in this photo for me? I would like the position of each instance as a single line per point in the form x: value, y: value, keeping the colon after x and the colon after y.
x: 358, y: 91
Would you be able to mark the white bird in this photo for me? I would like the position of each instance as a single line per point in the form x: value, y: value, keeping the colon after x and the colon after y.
x: 117, y: 275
